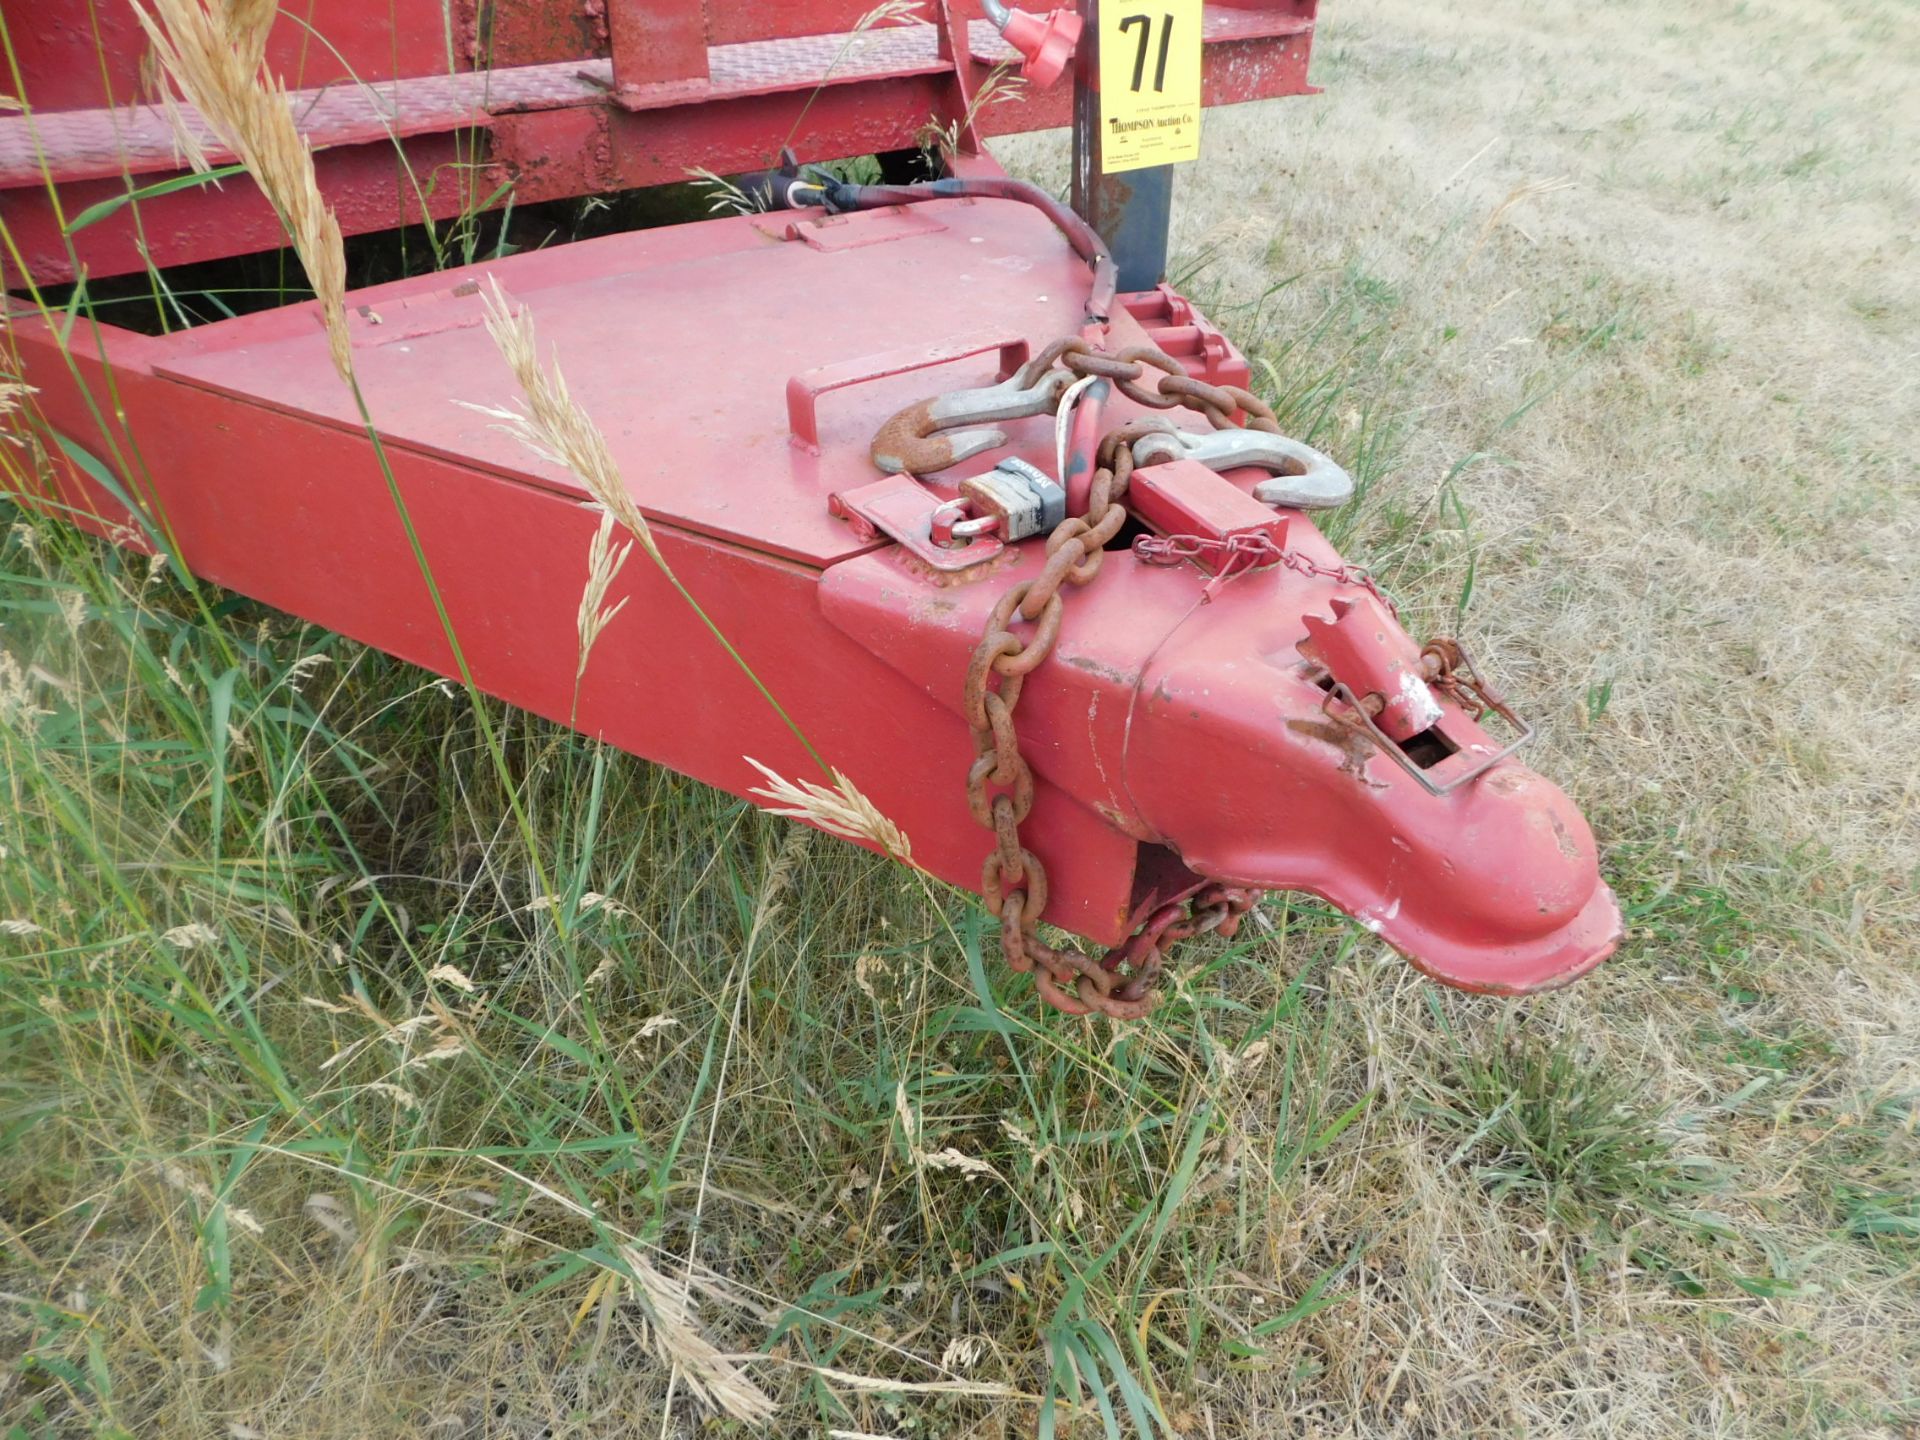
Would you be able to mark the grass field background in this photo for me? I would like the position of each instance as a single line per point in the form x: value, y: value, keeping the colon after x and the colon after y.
x: 337, y: 1101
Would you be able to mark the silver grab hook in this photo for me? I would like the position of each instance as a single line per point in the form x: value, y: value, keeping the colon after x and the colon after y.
x: 1303, y: 478
x: 929, y: 436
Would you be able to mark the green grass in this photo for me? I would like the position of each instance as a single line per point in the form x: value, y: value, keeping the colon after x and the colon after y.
x: 245, y: 849
x: 1541, y: 1123
x: 249, y: 1122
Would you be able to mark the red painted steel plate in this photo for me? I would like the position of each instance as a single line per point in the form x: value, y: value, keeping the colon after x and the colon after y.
x: 734, y: 20
x: 680, y: 343
x: 294, y: 512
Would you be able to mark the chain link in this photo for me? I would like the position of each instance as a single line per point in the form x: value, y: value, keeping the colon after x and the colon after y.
x: 1020, y: 633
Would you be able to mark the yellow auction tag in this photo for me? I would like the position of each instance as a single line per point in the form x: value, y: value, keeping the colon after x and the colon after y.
x: 1149, y: 83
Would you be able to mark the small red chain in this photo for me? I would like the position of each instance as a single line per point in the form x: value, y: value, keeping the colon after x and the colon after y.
x: 1250, y: 550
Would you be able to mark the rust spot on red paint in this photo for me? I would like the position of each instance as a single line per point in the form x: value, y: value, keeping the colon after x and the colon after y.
x: 1355, y: 750
x: 1507, y: 780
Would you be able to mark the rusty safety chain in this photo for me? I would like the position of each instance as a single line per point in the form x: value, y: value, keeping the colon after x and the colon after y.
x: 1014, y: 882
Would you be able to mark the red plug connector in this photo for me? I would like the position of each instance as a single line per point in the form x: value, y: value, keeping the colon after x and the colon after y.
x: 1045, y: 42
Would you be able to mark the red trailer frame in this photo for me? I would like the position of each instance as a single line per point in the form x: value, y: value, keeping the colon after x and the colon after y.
x: 569, y: 103
x: 1238, y: 717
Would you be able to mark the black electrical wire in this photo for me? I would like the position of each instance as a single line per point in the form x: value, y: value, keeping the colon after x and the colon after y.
x: 837, y: 196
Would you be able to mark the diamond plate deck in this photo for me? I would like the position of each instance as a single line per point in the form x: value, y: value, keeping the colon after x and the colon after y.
x: 138, y: 140
x: 766, y: 67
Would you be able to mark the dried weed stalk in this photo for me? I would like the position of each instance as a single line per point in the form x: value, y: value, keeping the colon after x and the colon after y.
x: 839, y: 810
x: 604, y: 563
x: 672, y: 1327
x: 553, y: 425
x: 213, y: 53
x: 709, y: 1372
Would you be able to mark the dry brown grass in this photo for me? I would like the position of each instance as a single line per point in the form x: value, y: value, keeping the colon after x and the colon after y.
x: 839, y: 809
x: 1695, y: 558
x: 549, y: 423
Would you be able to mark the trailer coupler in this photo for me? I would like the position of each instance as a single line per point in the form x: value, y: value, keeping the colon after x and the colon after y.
x: 1231, y: 693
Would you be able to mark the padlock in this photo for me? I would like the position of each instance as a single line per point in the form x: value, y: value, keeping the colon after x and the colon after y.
x: 1022, y: 498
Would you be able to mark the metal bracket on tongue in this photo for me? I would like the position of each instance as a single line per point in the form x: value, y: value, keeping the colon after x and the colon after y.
x: 1010, y: 502
x: 1184, y: 497
x: 903, y: 509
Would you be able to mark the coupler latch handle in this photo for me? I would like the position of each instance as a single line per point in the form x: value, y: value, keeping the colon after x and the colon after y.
x: 1448, y: 668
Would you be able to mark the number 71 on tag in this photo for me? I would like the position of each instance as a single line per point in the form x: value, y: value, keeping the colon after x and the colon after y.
x: 1149, y: 83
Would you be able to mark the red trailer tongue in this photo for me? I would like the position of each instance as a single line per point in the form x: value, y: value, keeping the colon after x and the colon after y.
x: 1231, y: 692
x: 984, y: 504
